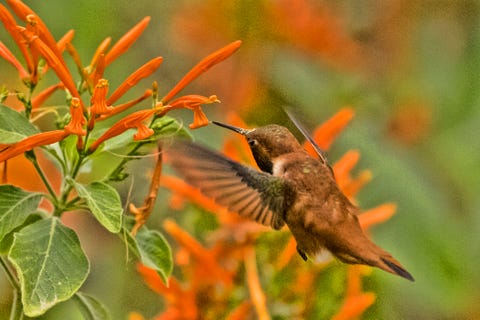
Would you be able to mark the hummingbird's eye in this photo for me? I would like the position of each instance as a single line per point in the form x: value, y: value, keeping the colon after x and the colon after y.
x: 252, y: 142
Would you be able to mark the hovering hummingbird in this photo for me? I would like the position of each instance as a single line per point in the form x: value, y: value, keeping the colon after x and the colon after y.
x: 293, y: 188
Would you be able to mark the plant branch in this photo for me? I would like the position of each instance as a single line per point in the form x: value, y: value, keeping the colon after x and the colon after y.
x: 11, y: 278
x: 33, y: 159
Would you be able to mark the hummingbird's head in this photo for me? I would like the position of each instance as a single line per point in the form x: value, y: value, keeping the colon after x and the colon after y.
x: 267, y: 142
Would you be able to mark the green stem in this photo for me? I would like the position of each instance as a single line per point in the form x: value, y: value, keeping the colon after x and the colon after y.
x: 120, y: 166
x: 17, y: 308
x: 31, y: 156
x: 11, y: 278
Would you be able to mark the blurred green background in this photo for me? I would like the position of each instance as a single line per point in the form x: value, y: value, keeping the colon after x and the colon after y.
x: 411, y: 71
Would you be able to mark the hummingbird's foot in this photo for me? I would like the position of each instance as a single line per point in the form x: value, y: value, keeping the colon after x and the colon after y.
x: 302, y: 254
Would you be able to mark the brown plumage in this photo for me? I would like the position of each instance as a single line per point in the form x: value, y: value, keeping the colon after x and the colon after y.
x: 293, y: 189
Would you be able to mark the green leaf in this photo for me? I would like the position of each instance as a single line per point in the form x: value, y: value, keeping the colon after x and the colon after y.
x: 151, y: 248
x: 50, y: 264
x: 155, y: 252
x: 91, y: 308
x: 104, y: 202
x: 14, y: 126
x: 7, y: 240
x: 15, y: 206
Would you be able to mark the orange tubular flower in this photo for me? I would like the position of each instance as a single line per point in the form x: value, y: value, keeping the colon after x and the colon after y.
x: 67, y: 38
x: 192, y: 102
x: 99, y: 69
x: 142, y: 72
x: 124, y: 106
x: 204, y: 65
x: 8, y: 55
x: 211, y: 271
x: 182, y: 303
x: 329, y: 130
x: 134, y: 120
x: 100, y: 51
x: 11, y: 26
x: 78, y: 119
x: 27, y: 14
x: 256, y: 292
x: 37, y: 140
x: 356, y: 301
x: 99, y: 104
x: 52, y: 60
x: 377, y: 215
x: 126, y: 41
x: 40, y: 98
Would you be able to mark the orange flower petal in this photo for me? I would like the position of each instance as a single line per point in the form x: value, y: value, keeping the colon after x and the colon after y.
x: 377, y: 215
x: 133, y: 120
x: 143, y: 132
x: 67, y: 38
x: 8, y: 55
x: 26, y: 14
x: 204, y: 65
x: 126, y: 41
x: 287, y: 254
x: 344, y: 165
x: 124, y: 106
x: 11, y: 26
x: 36, y: 140
x: 75, y: 126
x: 199, y: 119
x: 350, y: 189
x: 192, y: 102
x: 52, y: 60
x: 329, y: 130
x: 72, y: 51
x: 142, y: 72
x: 100, y: 51
x: 355, y: 306
x: 40, y: 98
x: 253, y: 281
x: 209, y: 269
x: 241, y: 312
x: 98, y: 103
x: 99, y: 69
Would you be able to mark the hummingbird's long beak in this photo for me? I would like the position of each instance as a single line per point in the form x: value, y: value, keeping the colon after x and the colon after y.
x: 233, y: 128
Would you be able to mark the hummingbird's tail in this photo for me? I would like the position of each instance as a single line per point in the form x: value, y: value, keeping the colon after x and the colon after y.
x: 389, y: 264
x: 371, y: 254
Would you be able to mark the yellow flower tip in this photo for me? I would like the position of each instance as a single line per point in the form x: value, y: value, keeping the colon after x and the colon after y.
x: 213, y: 99
x: 32, y: 20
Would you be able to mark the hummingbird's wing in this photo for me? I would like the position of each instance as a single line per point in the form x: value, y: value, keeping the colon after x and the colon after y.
x: 251, y: 193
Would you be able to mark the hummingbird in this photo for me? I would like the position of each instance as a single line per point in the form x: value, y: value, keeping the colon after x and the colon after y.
x: 292, y: 188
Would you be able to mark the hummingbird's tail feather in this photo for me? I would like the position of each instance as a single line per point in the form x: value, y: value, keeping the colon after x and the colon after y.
x: 393, y: 266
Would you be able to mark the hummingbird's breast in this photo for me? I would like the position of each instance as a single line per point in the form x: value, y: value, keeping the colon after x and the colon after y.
x: 306, y: 174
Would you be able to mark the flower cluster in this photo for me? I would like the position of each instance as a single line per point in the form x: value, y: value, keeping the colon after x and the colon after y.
x: 212, y: 276
x: 36, y: 42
